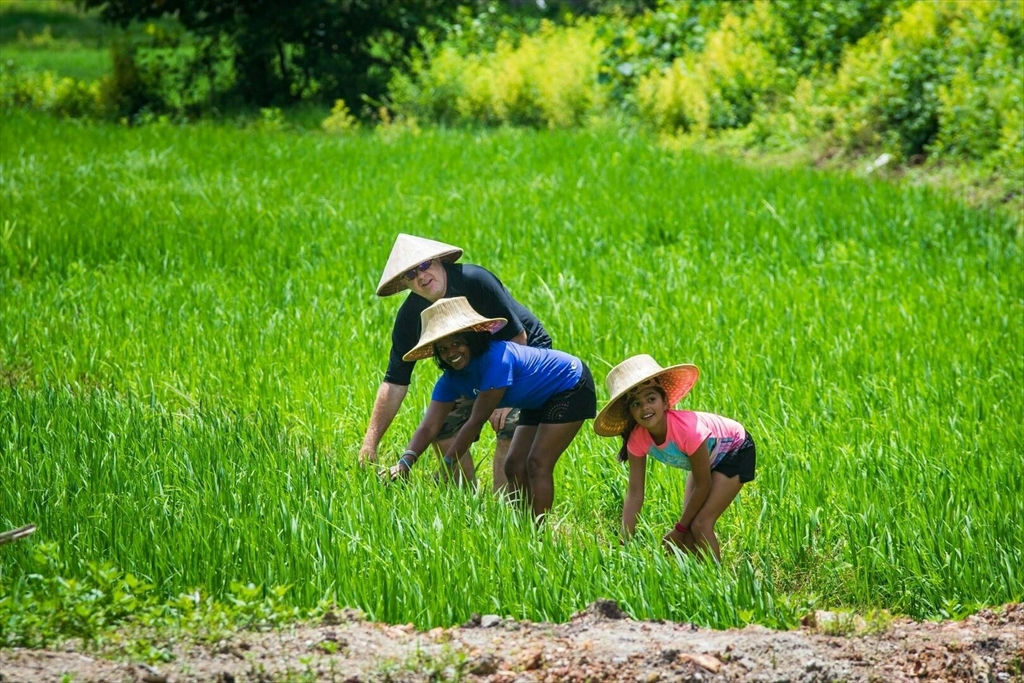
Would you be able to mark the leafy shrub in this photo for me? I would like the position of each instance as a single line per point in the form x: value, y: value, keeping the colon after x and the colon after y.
x: 984, y: 92
x: 48, y: 92
x: 48, y: 606
x: 811, y: 40
x: 548, y: 79
x: 942, y: 79
x: 635, y: 47
x: 167, y: 80
x: 340, y: 120
x: 717, y: 88
x: 429, y: 89
x: 144, y: 83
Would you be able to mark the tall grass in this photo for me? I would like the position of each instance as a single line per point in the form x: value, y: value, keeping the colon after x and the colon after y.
x: 190, y: 346
x: 52, y: 36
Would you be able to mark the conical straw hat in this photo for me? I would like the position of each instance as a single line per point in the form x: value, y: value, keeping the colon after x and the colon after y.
x: 410, y: 251
x: 446, y: 317
x: 676, y: 380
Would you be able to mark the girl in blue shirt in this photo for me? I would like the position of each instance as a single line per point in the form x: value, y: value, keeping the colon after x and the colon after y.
x: 553, y: 390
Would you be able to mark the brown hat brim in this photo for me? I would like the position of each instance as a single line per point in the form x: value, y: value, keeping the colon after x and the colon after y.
x: 676, y: 381
x: 425, y: 347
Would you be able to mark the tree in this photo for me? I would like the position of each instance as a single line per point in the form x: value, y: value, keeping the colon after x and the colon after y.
x: 284, y: 50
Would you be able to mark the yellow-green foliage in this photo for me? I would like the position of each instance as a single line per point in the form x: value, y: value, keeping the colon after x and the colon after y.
x: 942, y: 79
x: 981, y: 106
x: 862, y: 87
x: 793, y: 120
x: 548, y: 79
x: 48, y: 92
x: 717, y: 88
x: 340, y: 120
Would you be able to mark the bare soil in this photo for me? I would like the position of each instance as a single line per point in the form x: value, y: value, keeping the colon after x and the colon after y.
x: 599, y: 644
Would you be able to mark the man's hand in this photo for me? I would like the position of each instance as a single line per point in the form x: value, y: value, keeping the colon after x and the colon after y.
x: 498, y: 418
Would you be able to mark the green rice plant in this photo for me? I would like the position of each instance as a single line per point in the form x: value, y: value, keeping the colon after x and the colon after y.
x: 190, y: 347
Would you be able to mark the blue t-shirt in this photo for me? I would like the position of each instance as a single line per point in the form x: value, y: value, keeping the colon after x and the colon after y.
x: 529, y: 375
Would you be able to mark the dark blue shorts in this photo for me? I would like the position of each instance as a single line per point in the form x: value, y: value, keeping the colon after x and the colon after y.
x: 740, y: 462
x: 571, y: 405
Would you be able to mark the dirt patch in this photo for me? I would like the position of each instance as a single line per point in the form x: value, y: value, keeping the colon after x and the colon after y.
x: 599, y: 644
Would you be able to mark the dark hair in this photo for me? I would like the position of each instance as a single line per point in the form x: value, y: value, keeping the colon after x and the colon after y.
x: 477, y: 342
x: 631, y: 423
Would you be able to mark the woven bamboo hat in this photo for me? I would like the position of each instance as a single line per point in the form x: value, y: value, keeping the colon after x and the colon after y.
x: 446, y: 317
x: 410, y: 251
x: 630, y: 374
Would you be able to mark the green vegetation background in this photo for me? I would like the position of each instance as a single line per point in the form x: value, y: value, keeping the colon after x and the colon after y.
x: 190, y: 345
x: 931, y: 90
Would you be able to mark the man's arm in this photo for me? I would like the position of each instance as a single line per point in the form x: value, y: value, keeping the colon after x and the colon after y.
x: 385, y: 407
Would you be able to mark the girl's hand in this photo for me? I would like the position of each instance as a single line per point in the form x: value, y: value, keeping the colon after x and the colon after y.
x: 674, y: 539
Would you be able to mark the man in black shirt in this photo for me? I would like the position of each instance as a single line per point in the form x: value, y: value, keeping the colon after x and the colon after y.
x: 429, y: 270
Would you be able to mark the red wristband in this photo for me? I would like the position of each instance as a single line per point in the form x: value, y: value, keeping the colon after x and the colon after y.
x: 681, y: 529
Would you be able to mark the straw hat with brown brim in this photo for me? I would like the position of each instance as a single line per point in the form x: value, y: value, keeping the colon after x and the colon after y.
x: 630, y: 374
x: 410, y: 251
x: 446, y: 317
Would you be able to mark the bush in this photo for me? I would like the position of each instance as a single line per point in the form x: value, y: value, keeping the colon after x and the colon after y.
x: 145, y: 83
x: 548, y: 79
x: 984, y: 91
x: 340, y: 120
x: 282, y: 52
x: 718, y: 88
x: 636, y: 47
x: 177, y: 81
x: 810, y: 41
x: 48, y: 92
x: 942, y: 79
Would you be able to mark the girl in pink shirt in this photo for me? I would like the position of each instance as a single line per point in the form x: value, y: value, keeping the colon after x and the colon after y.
x: 717, y: 453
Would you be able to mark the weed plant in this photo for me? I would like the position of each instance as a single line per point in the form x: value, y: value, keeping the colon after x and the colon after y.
x: 190, y: 346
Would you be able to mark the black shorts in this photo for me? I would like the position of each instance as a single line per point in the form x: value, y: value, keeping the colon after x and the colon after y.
x: 740, y: 462
x: 571, y: 405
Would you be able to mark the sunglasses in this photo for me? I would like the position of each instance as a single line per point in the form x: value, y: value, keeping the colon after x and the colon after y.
x: 413, y: 272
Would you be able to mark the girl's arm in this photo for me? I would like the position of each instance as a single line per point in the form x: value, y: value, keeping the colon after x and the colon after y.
x: 483, y: 406
x: 430, y: 427
x: 700, y: 462
x: 634, y: 495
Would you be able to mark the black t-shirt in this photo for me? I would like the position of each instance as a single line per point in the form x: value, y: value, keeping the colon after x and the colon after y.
x: 485, y: 294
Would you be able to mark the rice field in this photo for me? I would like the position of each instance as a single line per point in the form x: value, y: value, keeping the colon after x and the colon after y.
x: 190, y: 345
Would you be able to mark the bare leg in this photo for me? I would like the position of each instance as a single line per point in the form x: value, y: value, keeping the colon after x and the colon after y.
x: 517, y: 482
x: 701, y: 537
x: 498, y: 466
x: 548, y: 445
x: 723, y: 491
x: 464, y: 472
